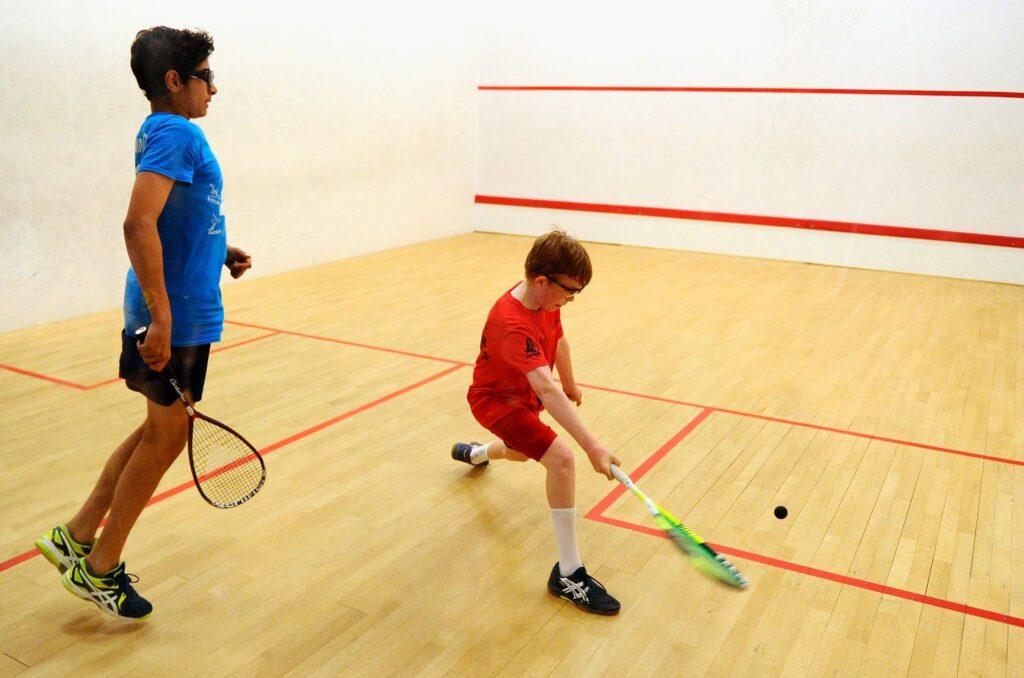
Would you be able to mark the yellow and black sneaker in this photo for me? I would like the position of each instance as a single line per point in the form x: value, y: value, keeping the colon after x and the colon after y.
x: 112, y: 592
x: 60, y: 548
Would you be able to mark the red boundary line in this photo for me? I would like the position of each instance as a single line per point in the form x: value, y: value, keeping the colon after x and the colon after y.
x: 273, y: 447
x: 761, y: 220
x: 754, y: 90
x: 818, y: 427
x: 89, y: 387
x: 597, y: 514
x: 350, y: 343
x: 37, y: 375
x: 673, y: 401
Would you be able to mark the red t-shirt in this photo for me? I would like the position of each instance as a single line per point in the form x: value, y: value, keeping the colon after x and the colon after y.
x: 515, y: 340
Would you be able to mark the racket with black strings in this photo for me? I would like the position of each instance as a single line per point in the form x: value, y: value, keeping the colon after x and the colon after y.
x: 701, y: 556
x: 227, y: 469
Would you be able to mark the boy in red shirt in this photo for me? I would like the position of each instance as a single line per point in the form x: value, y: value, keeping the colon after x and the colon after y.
x: 512, y: 382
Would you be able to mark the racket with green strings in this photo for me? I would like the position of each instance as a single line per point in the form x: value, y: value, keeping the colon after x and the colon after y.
x: 701, y: 556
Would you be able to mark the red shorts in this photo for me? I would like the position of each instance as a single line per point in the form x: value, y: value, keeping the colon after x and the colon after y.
x: 523, y: 431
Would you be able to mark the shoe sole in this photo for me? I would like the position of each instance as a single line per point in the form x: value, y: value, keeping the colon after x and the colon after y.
x: 70, y: 587
x: 49, y: 551
x: 588, y: 610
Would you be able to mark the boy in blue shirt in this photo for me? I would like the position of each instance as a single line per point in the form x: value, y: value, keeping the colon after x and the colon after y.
x: 176, y: 241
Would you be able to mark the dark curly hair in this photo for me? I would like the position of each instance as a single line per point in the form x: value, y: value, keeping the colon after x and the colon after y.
x: 160, y: 49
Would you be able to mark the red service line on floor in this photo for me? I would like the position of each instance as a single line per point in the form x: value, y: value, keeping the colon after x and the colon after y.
x: 89, y: 387
x: 597, y: 514
x: 754, y: 90
x: 761, y: 220
x: 803, y: 424
x: 43, y: 377
x: 273, y: 447
x: 350, y: 343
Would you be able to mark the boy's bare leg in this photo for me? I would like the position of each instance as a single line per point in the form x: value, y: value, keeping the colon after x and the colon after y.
x: 85, y: 523
x: 163, y: 437
x: 560, y: 465
x: 498, y: 450
x: 561, y: 481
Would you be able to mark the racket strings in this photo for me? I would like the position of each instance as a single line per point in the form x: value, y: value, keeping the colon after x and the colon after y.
x: 227, y: 470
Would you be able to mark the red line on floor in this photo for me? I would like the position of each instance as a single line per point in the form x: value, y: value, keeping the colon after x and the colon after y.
x: 869, y: 436
x: 649, y: 464
x: 597, y: 514
x: 351, y: 343
x: 89, y: 387
x: 17, y: 560
x: 225, y: 347
x: 273, y: 447
x: 273, y: 331
x: 103, y: 383
x: 755, y: 90
x: 779, y: 420
x: 37, y: 375
x: 7, y: 564
x: 833, y: 576
x: 761, y: 220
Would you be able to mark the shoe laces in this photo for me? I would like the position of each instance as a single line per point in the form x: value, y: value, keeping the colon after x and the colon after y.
x: 124, y: 581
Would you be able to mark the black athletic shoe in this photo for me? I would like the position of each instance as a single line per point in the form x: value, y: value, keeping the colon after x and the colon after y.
x: 583, y: 591
x: 461, y: 452
x: 113, y: 592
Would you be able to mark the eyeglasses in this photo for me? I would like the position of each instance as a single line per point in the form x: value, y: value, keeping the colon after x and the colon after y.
x: 573, y: 291
x: 206, y: 75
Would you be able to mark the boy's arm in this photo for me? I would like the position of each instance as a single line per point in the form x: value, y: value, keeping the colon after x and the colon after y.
x: 563, y: 363
x: 556, y: 402
x: 146, y: 254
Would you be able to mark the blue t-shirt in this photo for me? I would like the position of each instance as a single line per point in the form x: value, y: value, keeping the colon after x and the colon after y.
x: 191, y: 228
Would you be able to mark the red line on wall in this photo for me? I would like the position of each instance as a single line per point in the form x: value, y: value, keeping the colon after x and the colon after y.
x: 760, y: 220
x: 756, y: 90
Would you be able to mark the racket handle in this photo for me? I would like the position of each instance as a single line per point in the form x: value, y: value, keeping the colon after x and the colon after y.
x: 140, y: 336
x: 621, y: 476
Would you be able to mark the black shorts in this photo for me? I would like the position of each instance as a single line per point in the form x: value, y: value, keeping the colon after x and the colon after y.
x: 189, y: 363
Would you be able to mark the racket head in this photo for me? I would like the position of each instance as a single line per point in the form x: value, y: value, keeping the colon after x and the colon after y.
x: 701, y: 556
x: 228, y: 471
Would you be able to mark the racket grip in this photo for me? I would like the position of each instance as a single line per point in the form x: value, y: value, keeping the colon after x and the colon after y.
x: 140, y: 336
x: 621, y: 476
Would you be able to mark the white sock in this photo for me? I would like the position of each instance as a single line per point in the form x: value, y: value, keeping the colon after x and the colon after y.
x: 478, y: 455
x: 565, y: 535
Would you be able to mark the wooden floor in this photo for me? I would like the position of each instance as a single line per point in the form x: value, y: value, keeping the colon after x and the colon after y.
x: 886, y: 411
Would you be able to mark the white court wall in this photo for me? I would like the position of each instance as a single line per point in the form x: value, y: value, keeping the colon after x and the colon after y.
x: 925, y: 162
x: 341, y: 128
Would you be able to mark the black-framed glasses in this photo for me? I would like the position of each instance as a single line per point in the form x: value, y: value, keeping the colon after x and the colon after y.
x: 206, y: 75
x: 573, y: 291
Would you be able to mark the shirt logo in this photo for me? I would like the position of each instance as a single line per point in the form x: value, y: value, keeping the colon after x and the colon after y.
x: 215, y: 198
x: 531, y: 349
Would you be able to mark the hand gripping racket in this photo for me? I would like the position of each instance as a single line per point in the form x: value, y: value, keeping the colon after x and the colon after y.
x: 702, y: 556
x: 227, y: 469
